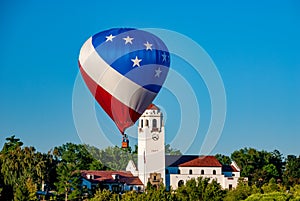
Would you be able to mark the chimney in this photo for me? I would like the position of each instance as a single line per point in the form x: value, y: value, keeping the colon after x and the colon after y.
x: 115, y: 176
x: 90, y: 176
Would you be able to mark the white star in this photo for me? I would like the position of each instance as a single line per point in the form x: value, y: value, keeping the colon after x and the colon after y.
x: 136, y: 61
x: 109, y: 38
x: 157, y: 72
x: 164, y: 57
x: 148, y: 46
x: 128, y: 40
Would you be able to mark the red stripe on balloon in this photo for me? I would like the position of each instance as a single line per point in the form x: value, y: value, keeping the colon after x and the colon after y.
x: 121, y: 114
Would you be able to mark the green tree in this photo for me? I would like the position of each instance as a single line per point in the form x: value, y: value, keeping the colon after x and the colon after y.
x: 277, y: 160
x: 71, y: 158
x: 188, y: 191
x: 21, y: 192
x: 159, y: 193
x: 11, y: 143
x: 171, y: 151
x: 135, y: 149
x: 114, y: 158
x: 278, y: 196
x: 76, y: 154
x: 102, y: 195
x: 214, y: 192
x: 68, y: 181
x: 291, y: 175
x: 241, y: 192
x: 270, y: 171
x: 31, y: 189
x: 96, y: 165
x: 259, y: 166
x: 295, y: 190
x: 194, y: 189
x: 22, y: 169
x: 130, y: 196
x: 200, y: 189
x: 246, y: 159
x: 202, y: 184
x: 270, y: 187
x: 224, y: 160
x: 48, y: 171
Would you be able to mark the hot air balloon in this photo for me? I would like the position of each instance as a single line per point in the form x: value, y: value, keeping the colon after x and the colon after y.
x: 124, y: 69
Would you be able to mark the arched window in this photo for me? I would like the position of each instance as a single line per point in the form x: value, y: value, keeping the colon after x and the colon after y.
x: 147, y: 123
x: 191, y: 171
x: 154, y: 123
x: 178, y: 171
x: 214, y: 172
x: 142, y: 122
x: 180, y: 183
x: 202, y: 171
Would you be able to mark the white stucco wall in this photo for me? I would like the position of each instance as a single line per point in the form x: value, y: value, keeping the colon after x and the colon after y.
x: 197, y: 170
x: 132, y: 168
x: 221, y: 179
x: 173, y: 177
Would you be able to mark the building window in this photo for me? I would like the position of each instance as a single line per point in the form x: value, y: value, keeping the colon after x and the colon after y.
x: 178, y: 171
x: 116, y: 188
x: 233, y: 174
x: 154, y: 123
x: 230, y: 186
x: 104, y: 187
x: 167, y: 171
x: 180, y: 183
x: 214, y: 172
x: 202, y: 171
x: 154, y: 178
x: 191, y: 171
x: 142, y: 122
x: 147, y: 123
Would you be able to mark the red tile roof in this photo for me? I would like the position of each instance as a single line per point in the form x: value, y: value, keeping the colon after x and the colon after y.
x: 152, y: 107
x: 106, y: 176
x: 202, y: 161
x: 233, y: 168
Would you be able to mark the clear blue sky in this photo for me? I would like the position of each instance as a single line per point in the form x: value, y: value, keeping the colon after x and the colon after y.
x: 255, y: 46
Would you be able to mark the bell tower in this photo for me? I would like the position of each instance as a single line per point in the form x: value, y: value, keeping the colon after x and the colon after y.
x: 151, y: 146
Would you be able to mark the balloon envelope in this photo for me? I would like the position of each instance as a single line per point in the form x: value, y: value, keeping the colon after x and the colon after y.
x: 124, y: 69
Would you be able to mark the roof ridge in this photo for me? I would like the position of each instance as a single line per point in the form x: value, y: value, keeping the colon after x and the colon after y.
x: 152, y: 107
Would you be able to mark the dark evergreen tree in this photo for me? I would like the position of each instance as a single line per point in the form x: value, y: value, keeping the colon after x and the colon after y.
x: 291, y: 175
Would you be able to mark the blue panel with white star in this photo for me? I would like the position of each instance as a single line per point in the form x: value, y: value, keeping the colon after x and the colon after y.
x: 138, y: 55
